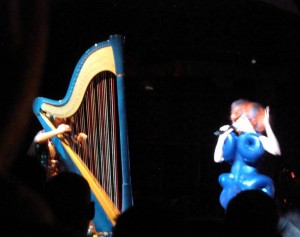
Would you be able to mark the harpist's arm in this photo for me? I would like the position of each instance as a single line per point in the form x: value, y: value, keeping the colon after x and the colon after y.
x: 45, y: 136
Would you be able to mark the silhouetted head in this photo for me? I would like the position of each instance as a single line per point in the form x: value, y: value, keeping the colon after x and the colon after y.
x: 22, y: 210
x: 147, y: 220
x: 252, y: 213
x: 69, y: 196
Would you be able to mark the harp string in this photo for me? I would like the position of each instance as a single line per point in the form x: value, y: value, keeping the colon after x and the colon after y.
x: 97, y: 117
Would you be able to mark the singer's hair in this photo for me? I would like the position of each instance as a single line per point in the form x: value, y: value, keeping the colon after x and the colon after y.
x: 254, y: 111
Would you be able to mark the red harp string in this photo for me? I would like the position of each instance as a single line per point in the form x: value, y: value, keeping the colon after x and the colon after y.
x: 97, y: 118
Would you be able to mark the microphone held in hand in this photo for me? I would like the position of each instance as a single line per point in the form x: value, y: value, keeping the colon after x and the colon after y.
x: 222, y: 130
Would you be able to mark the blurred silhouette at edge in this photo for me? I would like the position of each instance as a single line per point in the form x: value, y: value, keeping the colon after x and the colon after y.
x: 252, y: 213
x: 69, y: 197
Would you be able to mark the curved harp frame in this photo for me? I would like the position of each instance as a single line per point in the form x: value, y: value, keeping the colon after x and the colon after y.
x: 104, y: 56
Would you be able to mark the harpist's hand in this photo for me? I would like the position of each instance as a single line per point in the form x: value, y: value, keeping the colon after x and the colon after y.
x: 62, y: 128
x: 81, y: 137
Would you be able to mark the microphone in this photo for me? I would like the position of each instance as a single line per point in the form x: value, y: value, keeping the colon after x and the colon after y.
x: 220, y: 132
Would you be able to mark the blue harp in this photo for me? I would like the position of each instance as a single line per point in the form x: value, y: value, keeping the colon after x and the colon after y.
x: 95, y: 104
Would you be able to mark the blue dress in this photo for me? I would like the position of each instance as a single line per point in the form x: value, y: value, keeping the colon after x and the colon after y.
x: 243, y: 152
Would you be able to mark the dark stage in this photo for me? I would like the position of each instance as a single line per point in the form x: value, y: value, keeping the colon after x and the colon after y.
x: 185, y: 62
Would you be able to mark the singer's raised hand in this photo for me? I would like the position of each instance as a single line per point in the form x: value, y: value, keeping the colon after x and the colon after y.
x: 267, y: 116
x: 270, y: 141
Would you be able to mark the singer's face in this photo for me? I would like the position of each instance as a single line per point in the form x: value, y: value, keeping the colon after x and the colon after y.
x: 243, y: 124
x: 233, y: 117
x: 235, y: 114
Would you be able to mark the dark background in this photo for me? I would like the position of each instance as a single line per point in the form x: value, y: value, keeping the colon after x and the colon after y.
x: 185, y: 62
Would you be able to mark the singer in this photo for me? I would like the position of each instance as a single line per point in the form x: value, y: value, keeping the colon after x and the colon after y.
x: 242, y: 144
x: 44, y: 150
